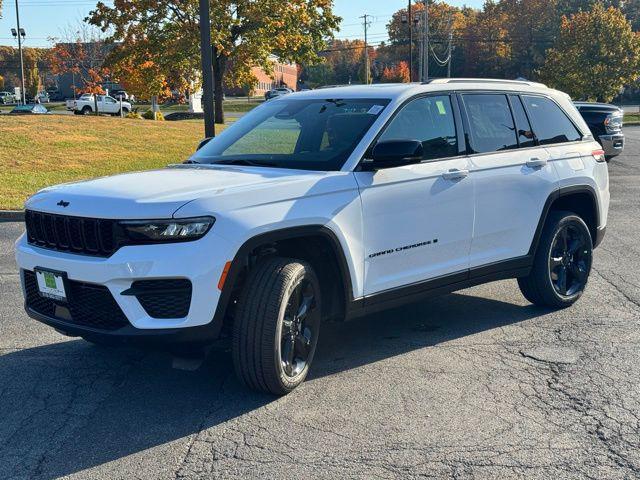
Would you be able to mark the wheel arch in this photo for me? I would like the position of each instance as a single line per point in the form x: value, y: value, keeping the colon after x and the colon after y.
x: 579, y: 199
x: 316, y: 244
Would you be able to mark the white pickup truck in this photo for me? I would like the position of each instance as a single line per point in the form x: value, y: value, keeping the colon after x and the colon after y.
x: 86, y: 105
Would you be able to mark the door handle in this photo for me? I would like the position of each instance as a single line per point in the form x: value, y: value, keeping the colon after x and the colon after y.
x: 455, y: 174
x: 537, y: 162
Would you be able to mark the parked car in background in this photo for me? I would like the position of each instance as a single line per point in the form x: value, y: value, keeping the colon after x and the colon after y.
x: 86, y: 104
x: 7, y: 98
x: 29, y: 109
x: 277, y: 92
x: 605, y: 122
x: 55, y: 95
x: 42, y: 97
x: 125, y: 96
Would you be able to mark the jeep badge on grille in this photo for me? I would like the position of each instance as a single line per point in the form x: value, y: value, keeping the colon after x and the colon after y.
x: 63, y: 204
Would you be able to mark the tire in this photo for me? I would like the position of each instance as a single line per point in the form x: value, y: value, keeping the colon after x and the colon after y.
x: 125, y: 112
x: 274, y: 336
x: 562, y: 262
x: 86, y: 111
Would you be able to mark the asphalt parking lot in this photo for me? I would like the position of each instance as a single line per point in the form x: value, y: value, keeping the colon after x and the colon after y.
x: 477, y: 384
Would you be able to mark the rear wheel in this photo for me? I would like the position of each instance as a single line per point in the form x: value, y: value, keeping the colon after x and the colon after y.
x: 562, y: 263
x: 277, y: 325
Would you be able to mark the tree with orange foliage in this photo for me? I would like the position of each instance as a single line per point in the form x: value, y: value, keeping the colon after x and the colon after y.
x: 81, y: 54
x: 137, y: 74
x: 244, y: 33
x: 397, y: 73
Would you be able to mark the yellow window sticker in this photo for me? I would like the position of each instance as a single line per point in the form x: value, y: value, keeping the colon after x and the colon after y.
x: 441, y: 108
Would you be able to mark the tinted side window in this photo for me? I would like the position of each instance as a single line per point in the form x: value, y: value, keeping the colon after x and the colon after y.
x: 429, y: 120
x: 491, y: 123
x: 550, y: 122
x: 525, y: 132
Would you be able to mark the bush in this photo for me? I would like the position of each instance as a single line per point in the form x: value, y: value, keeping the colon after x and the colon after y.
x: 151, y: 115
x: 134, y: 115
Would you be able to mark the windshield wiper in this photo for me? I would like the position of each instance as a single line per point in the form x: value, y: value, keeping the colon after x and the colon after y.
x: 240, y: 161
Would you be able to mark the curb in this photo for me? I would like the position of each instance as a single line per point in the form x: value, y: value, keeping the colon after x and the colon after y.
x: 11, y: 215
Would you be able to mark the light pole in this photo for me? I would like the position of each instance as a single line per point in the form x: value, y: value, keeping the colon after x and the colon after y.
x: 20, y: 34
x: 207, y: 69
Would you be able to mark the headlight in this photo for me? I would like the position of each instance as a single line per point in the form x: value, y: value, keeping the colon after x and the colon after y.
x: 158, y: 231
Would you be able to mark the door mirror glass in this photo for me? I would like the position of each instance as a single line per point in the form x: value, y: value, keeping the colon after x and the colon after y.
x: 395, y: 153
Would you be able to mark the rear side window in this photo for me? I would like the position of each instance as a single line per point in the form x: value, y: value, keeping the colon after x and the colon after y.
x: 491, y: 123
x: 429, y: 120
x: 550, y: 123
x: 523, y: 127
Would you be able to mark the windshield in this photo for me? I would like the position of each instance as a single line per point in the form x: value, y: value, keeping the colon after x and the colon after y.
x: 301, y: 134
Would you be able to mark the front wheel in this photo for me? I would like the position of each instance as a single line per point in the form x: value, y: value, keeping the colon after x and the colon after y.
x: 562, y: 263
x: 276, y: 326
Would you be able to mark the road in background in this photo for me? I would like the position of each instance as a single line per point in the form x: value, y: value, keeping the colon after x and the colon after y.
x: 477, y: 384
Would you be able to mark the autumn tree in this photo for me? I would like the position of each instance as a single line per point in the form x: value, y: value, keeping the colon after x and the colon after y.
x: 243, y: 32
x: 596, y: 54
x: 1, y: 82
x: 443, y: 19
x: 81, y: 53
x: 318, y: 75
x: 137, y: 74
x: 397, y: 73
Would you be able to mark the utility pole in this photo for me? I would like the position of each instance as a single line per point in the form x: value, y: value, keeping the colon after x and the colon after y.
x: 450, y: 54
x: 207, y: 69
x: 425, y: 62
x: 421, y: 51
x: 365, y: 17
x: 410, y: 23
x: 20, y: 34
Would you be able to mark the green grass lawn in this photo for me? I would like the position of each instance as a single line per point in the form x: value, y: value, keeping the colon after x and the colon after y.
x: 37, y: 151
x: 632, y: 117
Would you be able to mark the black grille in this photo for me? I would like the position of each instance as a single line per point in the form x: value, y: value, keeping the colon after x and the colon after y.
x: 169, y: 298
x: 88, y: 304
x: 87, y: 236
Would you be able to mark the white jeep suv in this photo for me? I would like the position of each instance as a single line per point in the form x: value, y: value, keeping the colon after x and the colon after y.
x: 326, y: 204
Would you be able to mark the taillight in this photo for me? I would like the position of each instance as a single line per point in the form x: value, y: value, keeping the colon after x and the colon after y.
x: 598, y: 155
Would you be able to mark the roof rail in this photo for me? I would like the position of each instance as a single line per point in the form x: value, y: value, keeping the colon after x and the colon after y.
x: 484, y: 80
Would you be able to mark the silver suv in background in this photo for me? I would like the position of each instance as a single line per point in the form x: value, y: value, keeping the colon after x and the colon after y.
x: 605, y: 122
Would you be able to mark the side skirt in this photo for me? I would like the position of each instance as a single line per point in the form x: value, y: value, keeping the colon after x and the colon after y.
x: 514, y: 268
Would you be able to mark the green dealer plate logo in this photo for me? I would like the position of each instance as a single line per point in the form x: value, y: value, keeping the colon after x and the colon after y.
x: 49, y: 280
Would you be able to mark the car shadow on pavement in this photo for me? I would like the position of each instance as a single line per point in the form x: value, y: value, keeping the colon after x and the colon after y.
x: 70, y: 406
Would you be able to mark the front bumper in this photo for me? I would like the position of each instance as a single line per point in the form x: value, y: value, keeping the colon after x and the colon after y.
x: 612, y: 144
x: 201, y: 262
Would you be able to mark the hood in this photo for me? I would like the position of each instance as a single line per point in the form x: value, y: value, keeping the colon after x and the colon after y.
x: 158, y: 193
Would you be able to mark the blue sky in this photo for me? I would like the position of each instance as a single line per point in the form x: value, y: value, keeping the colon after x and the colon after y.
x: 43, y: 19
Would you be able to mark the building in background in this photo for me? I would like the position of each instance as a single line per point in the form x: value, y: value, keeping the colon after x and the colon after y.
x: 284, y: 75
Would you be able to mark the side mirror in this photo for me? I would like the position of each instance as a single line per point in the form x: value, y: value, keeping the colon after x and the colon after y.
x: 395, y: 153
x: 203, y: 143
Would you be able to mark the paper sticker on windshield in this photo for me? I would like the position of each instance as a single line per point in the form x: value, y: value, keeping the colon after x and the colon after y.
x: 376, y: 109
x: 441, y: 109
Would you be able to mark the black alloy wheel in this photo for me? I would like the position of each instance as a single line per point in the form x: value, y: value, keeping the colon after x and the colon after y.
x: 562, y: 262
x: 299, y: 329
x: 570, y: 260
